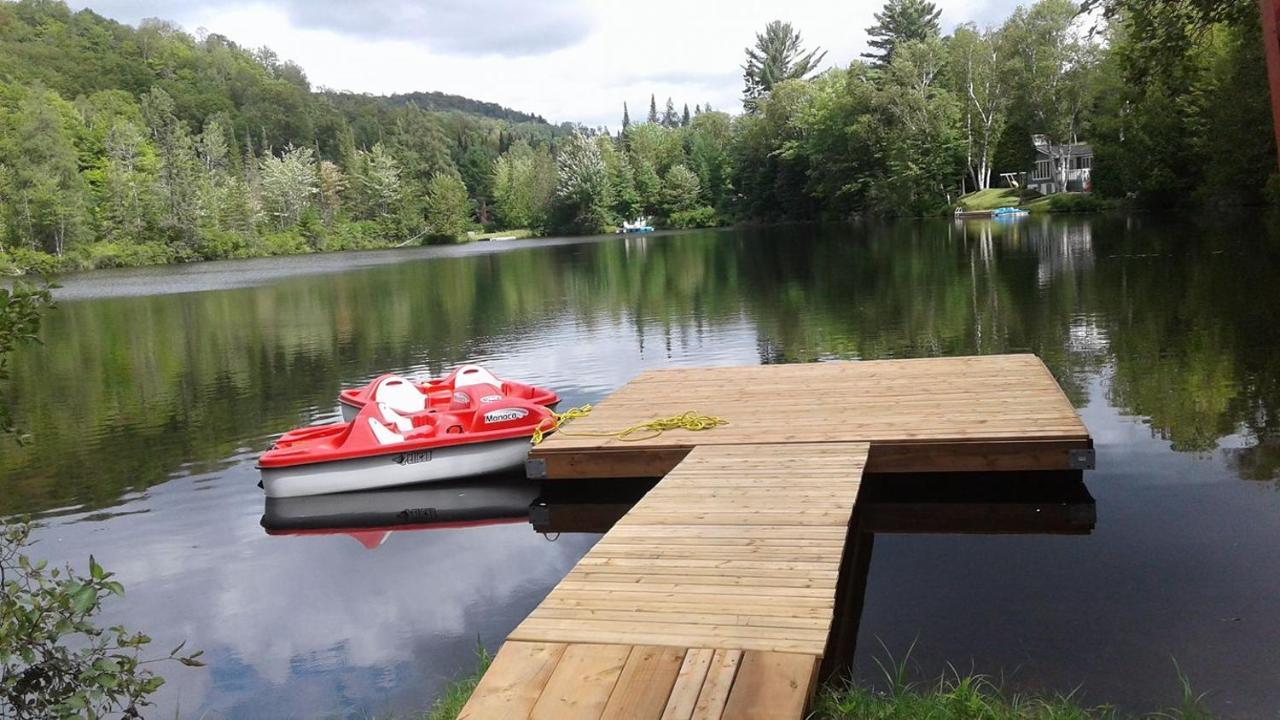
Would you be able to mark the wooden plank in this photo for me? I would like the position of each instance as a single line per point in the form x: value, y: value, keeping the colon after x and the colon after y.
x: 701, y: 616
x: 688, y: 685
x: 645, y: 684
x: 580, y: 686
x: 514, y: 681
x: 771, y: 685
x: 715, y: 691
x: 659, y: 634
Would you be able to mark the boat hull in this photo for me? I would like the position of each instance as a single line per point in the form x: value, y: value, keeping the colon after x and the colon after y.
x: 395, y: 468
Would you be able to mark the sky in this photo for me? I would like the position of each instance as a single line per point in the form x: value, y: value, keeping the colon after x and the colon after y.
x: 567, y: 60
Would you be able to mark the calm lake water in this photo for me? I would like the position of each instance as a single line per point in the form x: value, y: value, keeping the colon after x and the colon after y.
x: 156, y: 389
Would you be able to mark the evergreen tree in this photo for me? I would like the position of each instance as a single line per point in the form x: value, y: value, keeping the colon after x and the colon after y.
x: 176, y: 153
x: 684, y: 119
x: 669, y: 117
x: 626, y: 118
x: 777, y: 56
x: 653, y: 109
x: 898, y: 22
x: 680, y: 190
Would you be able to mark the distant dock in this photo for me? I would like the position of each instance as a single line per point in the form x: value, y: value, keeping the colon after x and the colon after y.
x: 716, y: 594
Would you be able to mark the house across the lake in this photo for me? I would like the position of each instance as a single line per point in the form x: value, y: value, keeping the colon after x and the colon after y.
x: 1061, y: 168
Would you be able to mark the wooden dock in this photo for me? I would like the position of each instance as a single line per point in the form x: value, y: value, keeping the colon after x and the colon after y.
x: 992, y: 412
x: 713, y: 597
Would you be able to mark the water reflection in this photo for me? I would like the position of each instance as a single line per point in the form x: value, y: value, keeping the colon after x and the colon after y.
x: 148, y: 410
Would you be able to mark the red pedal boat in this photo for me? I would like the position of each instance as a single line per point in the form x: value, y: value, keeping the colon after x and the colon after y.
x: 480, y: 431
x: 405, y: 396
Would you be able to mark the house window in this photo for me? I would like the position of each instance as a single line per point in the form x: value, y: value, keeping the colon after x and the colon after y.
x: 1083, y: 162
x: 1041, y: 171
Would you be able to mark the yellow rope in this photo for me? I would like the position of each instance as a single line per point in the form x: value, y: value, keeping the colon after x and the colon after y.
x: 685, y: 421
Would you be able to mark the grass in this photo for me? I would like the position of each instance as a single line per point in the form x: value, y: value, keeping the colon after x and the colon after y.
x: 952, y: 697
x: 992, y: 198
x: 973, y: 697
x: 1064, y: 202
x: 456, y: 693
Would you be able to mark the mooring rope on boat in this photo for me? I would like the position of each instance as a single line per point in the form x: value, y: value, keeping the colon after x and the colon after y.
x: 689, y: 420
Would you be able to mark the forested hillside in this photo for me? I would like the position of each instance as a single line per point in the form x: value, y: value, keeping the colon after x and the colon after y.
x: 122, y: 145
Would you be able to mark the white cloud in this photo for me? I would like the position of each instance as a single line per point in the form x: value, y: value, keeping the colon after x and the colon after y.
x: 567, y: 60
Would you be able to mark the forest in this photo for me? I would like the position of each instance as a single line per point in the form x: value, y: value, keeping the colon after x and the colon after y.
x: 126, y: 146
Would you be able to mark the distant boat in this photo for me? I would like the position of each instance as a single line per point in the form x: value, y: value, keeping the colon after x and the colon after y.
x: 639, y: 225
x: 1006, y: 212
x: 1000, y: 212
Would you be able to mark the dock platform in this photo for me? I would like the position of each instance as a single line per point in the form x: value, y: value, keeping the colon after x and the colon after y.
x: 714, y: 596
x: 984, y: 413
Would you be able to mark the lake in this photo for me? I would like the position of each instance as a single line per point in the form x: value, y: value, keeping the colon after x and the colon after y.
x: 156, y: 389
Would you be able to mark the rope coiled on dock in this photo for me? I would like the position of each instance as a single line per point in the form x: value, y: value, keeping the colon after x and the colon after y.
x: 689, y: 420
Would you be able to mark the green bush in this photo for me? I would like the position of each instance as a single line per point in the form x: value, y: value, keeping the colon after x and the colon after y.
x: 357, y: 235
x: 285, y: 242
x: 34, y: 262
x: 699, y: 217
x: 54, y: 661
x: 222, y: 245
x: 1076, y: 203
x: 107, y: 254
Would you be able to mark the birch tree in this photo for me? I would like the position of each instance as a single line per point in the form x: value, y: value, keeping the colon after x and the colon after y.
x: 290, y: 184
x: 978, y: 62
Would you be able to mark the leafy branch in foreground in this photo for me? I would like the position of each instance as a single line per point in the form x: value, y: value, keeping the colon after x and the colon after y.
x: 54, y: 661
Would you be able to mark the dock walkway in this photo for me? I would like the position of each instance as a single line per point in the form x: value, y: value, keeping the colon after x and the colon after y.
x: 713, y: 597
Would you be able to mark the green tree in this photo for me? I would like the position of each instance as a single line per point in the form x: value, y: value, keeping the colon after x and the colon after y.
x: 331, y: 184
x: 379, y: 182
x: 44, y: 195
x: 176, y: 153
x: 709, y: 140
x: 680, y: 190
x: 653, y: 110
x: 446, y: 207
x: 924, y: 151
x: 128, y: 207
x: 669, y: 117
x: 626, y: 118
x: 582, y: 189
x: 684, y: 117
x: 523, y: 185
x: 778, y: 55
x: 978, y: 63
x: 290, y: 184
x: 901, y: 21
